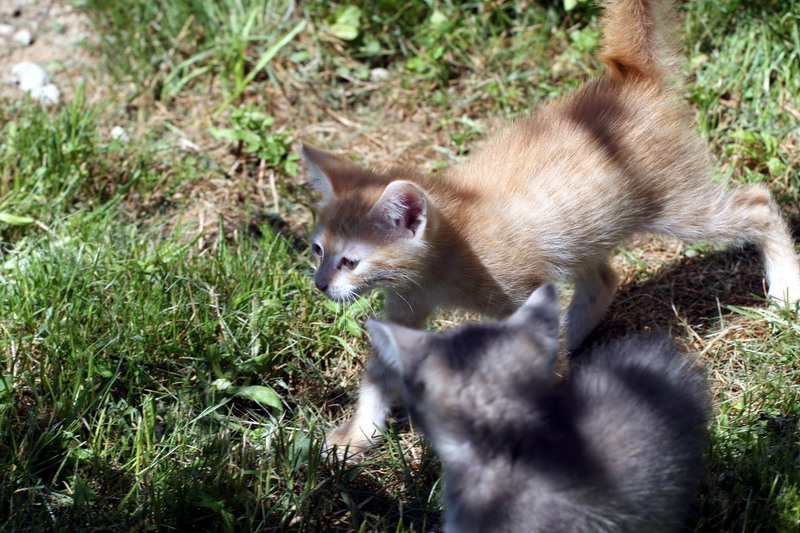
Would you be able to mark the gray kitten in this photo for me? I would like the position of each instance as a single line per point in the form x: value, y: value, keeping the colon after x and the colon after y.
x: 616, y: 446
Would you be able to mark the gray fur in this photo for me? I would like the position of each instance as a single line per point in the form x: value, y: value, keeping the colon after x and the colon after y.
x: 616, y: 446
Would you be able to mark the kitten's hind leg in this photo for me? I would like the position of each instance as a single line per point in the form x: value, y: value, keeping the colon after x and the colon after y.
x: 746, y: 214
x: 594, y: 290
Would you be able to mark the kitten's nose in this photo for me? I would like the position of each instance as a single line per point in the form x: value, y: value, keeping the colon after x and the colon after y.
x: 321, y: 285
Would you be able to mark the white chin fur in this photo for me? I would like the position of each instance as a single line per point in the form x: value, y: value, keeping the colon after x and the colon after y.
x: 342, y: 295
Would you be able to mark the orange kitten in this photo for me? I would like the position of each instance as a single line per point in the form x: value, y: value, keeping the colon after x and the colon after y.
x: 549, y: 198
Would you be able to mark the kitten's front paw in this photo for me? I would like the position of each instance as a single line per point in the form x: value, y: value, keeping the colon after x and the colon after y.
x: 349, y: 441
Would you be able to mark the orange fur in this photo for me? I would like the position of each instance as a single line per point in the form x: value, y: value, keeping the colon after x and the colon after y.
x: 549, y: 198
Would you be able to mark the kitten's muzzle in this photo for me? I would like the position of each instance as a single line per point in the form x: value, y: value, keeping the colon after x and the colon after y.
x: 322, y: 278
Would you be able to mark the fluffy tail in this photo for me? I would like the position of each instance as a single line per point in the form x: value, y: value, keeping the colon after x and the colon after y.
x: 639, y: 41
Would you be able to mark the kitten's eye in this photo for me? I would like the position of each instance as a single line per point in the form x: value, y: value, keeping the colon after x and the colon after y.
x: 316, y: 249
x: 349, y: 264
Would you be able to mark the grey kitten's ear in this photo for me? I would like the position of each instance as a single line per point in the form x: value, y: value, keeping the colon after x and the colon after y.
x: 540, y: 311
x: 395, y: 345
x: 401, y: 209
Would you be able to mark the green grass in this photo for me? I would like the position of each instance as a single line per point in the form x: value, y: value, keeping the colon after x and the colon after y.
x: 164, y: 369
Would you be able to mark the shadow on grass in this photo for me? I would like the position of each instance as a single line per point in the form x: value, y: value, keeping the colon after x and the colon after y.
x: 752, y: 480
x: 689, y: 291
x: 381, y: 493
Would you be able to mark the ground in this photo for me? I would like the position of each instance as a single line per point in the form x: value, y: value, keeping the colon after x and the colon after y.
x: 165, y: 361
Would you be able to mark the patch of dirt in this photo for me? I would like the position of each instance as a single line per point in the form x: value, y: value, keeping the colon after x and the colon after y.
x: 61, y: 36
x: 376, y: 121
x: 389, y: 127
x: 666, y: 287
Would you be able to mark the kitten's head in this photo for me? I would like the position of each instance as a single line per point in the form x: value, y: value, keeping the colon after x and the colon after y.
x: 371, y: 230
x: 464, y: 383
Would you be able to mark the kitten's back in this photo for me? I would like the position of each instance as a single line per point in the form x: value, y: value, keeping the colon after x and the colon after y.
x: 642, y: 408
x: 619, y: 449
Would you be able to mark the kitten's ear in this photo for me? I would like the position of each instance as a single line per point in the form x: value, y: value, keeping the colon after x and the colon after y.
x: 540, y: 312
x: 397, y: 346
x: 324, y: 169
x: 316, y: 176
x: 402, y: 209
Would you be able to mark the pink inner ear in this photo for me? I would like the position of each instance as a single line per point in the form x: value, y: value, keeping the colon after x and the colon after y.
x: 412, y: 213
x: 402, y: 208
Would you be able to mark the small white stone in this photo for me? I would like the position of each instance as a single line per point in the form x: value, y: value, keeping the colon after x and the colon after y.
x: 29, y: 76
x: 118, y: 134
x: 6, y: 30
x: 49, y: 94
x: 186, y: 144
x: 23, y: 37
x: 378, y: 74
x: 33, y: 79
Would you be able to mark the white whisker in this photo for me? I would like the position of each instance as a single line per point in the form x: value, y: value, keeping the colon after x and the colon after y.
x: 404, y: 300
